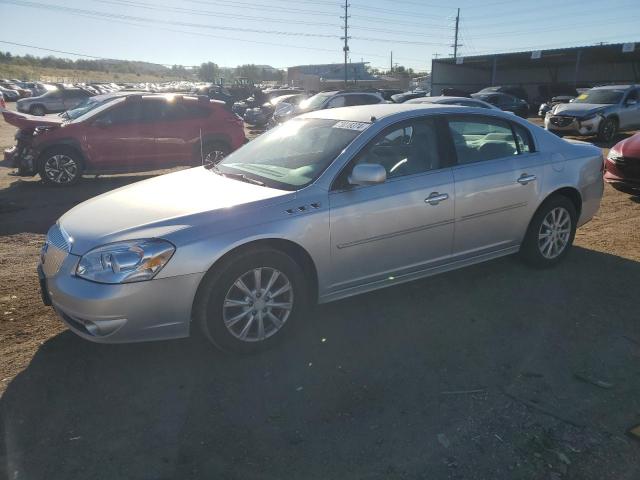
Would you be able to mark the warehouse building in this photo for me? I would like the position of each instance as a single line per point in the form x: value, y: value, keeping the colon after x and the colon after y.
x: 536, y: 71
x: 331, y: 76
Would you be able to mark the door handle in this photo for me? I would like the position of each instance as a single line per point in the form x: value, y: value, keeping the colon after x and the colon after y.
x: 524, y: 179
x: 435, y: 198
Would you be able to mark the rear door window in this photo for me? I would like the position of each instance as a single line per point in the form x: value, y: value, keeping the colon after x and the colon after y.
x: 337, y: 102
x: 478, y: 139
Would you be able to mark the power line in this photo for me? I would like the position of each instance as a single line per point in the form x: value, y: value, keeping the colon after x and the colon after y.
x: 210, y: 13
x: 52, y: 50
x: 78, y: 11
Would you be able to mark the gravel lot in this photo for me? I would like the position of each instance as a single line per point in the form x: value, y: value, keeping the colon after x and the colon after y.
x: 475, y: 374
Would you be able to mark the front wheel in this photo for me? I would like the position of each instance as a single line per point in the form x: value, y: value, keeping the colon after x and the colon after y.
x: 608, y: 129
x: 550, y: 233
x: 250, y: 301
x: 60, y: 166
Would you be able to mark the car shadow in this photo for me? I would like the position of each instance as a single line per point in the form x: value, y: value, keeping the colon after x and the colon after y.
x: 30, y: 205
x: 355, y: 392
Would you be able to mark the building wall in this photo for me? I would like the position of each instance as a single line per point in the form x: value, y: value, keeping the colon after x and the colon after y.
x: 593, y: 68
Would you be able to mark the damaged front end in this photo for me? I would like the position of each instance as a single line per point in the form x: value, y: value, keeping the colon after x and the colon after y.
x: 23, y: 155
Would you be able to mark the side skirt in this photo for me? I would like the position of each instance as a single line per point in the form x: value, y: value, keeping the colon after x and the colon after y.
x: 416, y: 275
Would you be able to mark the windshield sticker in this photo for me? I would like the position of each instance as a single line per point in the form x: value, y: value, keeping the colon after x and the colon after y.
x: 359, y: 126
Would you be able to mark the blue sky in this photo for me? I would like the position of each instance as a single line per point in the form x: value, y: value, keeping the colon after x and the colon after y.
x: 282, y: 33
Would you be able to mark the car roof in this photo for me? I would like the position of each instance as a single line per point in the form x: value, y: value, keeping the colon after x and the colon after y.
x: 364, y: 113
x: 614, y: 87
x: 440, y: 98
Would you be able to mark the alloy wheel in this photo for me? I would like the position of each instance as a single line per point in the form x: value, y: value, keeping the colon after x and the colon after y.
x: 258, y: 304
x: 213, y: 157
x: 554, y: 233
x: 61, y: 169
x: 608, y: 130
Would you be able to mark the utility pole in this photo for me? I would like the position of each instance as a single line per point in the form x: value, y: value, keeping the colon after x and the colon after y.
x: 391, y: 64
x: 455, y: 43
x: 346, y: 41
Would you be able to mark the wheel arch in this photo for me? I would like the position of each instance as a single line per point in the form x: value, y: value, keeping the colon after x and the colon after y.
x: 571, y: 193
x: 298, y: 253
x: 64, y: 143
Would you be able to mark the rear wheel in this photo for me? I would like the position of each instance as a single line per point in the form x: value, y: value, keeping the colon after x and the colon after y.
x: 60, y: 166
x: 213, y: 153
x: 38, y: 110
x: 550, y: 233
x: 250, y: 301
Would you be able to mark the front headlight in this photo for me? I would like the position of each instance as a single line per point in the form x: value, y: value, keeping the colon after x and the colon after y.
x: 125, y: 262
x: 614, y: 155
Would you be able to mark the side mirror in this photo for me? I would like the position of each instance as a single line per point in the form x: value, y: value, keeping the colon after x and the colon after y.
x: 367, y: 174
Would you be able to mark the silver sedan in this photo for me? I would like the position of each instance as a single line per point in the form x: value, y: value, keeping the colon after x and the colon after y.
x: 331, y: 204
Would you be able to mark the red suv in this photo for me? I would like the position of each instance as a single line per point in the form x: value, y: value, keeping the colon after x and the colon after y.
x: 123, y: 133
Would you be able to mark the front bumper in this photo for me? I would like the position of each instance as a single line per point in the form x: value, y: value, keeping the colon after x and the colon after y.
x: 572, y: 125
x: 133, y: 312
x: 623, y: 174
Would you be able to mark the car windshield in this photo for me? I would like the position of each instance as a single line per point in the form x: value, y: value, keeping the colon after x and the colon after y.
x: 294, y: 154
x: 315, y: 102
x: 95, y: 108
x: 87, y: 105
x: 600, y: 96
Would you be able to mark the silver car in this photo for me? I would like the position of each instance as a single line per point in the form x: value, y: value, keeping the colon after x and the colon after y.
x: 601, y: 111
x: 328, y: 205
x: 54, y: 101
x: 462, y: 101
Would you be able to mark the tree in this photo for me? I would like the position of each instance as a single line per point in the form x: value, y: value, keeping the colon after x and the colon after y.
x: 208, y: 72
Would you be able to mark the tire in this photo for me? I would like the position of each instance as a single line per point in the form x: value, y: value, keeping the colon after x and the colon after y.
x: 225, y: 311
x: 60, y: 166
x: 535, y: 249
x: 607, y: 130
x: 214, y: 152
x: 37, y: 110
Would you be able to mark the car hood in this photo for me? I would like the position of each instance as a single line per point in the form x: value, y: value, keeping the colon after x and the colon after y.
x: 22, y: 120
x: 578, y: 109
x: 162, y: 205
x: 629, y: 147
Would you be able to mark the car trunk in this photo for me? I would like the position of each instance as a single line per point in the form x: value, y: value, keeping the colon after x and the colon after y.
x: 29, y: 122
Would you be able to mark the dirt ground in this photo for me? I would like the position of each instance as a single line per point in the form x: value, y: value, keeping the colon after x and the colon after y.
x: 475, y: 374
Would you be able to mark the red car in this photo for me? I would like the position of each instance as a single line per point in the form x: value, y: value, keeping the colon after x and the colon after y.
x: 123, y: 133
x: 622, y: 167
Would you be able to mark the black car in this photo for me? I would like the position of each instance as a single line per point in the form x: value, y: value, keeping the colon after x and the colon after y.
x: 506, y: 102
x: 518, y: 92
x: 403, y: 97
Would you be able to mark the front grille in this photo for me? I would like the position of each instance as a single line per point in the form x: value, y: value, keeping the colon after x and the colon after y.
x: 630, y: 166
x: 55, y: 250
x: 57, y: 237
x: 52, y: 259
x: 561, y: 121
